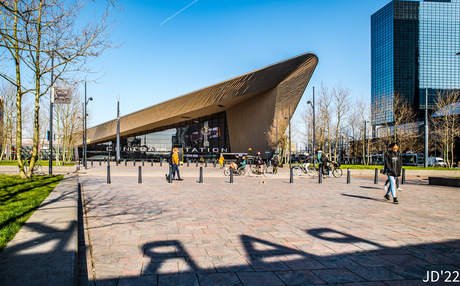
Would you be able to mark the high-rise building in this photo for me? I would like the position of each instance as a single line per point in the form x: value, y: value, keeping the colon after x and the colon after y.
x: 413, y: 52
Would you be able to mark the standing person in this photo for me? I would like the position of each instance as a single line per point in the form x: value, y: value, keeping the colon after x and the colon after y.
x: 175, y: 164
x: 221, y: 161
x: 276, y: 163
x: 393, y: 166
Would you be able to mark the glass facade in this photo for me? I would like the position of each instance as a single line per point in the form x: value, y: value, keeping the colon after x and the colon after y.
x: 200, y: 137
x: 413, y: 50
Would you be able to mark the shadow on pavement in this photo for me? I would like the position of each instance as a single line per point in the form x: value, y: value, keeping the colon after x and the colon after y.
x: 267, y: 263
x: 362, y: 197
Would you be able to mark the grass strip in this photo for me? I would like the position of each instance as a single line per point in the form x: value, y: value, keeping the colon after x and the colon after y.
x: 19, y: 198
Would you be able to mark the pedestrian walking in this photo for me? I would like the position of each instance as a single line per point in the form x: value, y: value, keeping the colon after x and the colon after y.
x: 393, y: 167
x: 175, y: 164
x: 170, y: 166
x: 221, y: 161
x: 276, y: 163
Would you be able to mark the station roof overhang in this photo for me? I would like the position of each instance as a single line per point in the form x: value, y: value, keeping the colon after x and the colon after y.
x: 290, y: 76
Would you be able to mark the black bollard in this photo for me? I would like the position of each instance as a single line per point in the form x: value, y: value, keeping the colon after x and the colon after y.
x: 99, y: 162
x: 196, y: 163
x: 376, y: 177
x: 116, y: 162
x: 231, y: 175
x: 108, y: 162
x: 188, y: 163
x: 126, y: 162
x: 291, y: 177
x: 320, y: 175
x: 206, y: 164
x: 134, y: 162
x: 139, y: 177
x: 142, y: 162
x: 170, y: 174
x: 108, y: 175
x: 403, y: 179
x: 151, y: 163
x: 201, y: 176
x: 348, y: 176
x: 91, y: 163
x: 161, y: 162
x: 214, y: 164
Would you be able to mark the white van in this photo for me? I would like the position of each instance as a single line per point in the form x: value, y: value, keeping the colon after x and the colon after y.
x: 436, y: 162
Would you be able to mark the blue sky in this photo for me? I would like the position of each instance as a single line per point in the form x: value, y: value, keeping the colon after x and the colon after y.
x: 214, y: 40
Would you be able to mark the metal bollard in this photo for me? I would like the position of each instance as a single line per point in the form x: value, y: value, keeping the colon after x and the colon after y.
x: 134, y: 162
x: 188, y: 163
x: 108, y: 175
x: 231, y: 175
x: 151, y: 163
x: 161, y: 163
x: 403, y: 179
x: 214, y: 164
x: 291, y: 177
x: 197, y: 163
x: 99, y: 162
x: 376, y: 177
x: 108, y: 162
x: 170, y: 174
x: 206, y: 164
x: 91, y: 163
x: 139, y: 177
x: 348, y: 176
x: 320, y: 175
x: 201, y: 176
x: 142, y: 163
x: 116, y: 162
x: 125, y: 162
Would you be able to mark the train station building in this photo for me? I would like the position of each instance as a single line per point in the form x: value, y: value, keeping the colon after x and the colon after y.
x: 229, y: 117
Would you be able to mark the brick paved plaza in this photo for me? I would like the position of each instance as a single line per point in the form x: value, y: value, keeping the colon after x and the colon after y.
x: 271, y: 233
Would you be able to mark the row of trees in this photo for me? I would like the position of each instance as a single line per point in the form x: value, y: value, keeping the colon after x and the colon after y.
x: 37, y: 38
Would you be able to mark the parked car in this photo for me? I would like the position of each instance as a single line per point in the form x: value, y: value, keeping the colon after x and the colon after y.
x: 436, y: 162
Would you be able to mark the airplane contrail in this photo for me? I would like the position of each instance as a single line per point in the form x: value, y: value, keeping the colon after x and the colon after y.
x: 179, y: 12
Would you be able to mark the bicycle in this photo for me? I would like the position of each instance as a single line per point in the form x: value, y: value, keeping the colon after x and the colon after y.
x: 266, y: 171
x: 336, y: 171
x: 36, y: 171
x: 304, y: 168
x: 240, y: 171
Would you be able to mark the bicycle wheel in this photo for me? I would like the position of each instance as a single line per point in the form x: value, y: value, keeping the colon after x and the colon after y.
x: 268, y: 171
x: 37, y: 169
x: 311, y: 171
x: 241, y: 172
x: 252, y: 171
x: 296, y: 171
x: 337, y: 173
x: 227, y: 172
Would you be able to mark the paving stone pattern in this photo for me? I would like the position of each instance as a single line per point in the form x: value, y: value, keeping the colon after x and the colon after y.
x: 270, y: 233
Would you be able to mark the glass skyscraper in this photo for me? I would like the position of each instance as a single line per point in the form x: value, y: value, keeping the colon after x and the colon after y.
x: 413, y: 51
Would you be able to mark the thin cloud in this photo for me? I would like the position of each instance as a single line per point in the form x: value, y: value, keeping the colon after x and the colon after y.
x: 179, y: 12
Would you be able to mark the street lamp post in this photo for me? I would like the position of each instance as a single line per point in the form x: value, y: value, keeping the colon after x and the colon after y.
x: 290, y: 143
x: 365, y: 135
x: 314, y: 125
x: 426, y: 128
x: 85, y: 142
x: 50, y: 135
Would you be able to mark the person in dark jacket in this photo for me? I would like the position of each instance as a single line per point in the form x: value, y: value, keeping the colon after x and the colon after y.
x: 276, y: 163
x: 393, y: 166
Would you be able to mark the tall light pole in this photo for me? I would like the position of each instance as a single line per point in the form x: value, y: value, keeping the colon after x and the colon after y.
x: 365, y: 135
x: 290, y: 165
x: 426, y: 128
x: 118, y: 130
x: 85, y: 143
x: 314, y: 125
x: 50, y: 135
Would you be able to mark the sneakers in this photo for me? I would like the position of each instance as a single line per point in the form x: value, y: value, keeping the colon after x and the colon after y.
x: 399, y: 189
x: 180, y: 179
x: 395, y: 201
x: 387, y: 197
x: 386, y: 188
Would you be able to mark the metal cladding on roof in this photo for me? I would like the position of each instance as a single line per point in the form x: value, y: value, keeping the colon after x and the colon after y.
x: 273, y: 88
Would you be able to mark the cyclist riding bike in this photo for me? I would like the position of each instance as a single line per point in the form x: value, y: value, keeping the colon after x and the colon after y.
x: 259, y: 162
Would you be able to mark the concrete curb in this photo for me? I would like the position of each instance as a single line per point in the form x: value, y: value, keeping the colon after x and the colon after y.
x: 45, y: 250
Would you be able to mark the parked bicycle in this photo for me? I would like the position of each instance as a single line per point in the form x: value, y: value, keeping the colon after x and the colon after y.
x: 36, y: 171
x: 304, y: 168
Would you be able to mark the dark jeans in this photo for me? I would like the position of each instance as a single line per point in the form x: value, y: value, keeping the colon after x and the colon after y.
x: 175, y: 169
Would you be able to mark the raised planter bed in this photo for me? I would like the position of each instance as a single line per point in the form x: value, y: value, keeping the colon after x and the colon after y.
x: 450, y: 182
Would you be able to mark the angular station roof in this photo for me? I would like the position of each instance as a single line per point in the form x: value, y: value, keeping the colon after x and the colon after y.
x: 290, y: 77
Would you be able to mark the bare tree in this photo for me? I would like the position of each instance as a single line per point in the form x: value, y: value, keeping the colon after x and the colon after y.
x: 447, y: 124
x: 8, y: 98
x: 341, y: 106
x: 44, y: 32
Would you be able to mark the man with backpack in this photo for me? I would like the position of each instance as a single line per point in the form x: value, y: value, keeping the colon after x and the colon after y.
x: 393, y: 167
